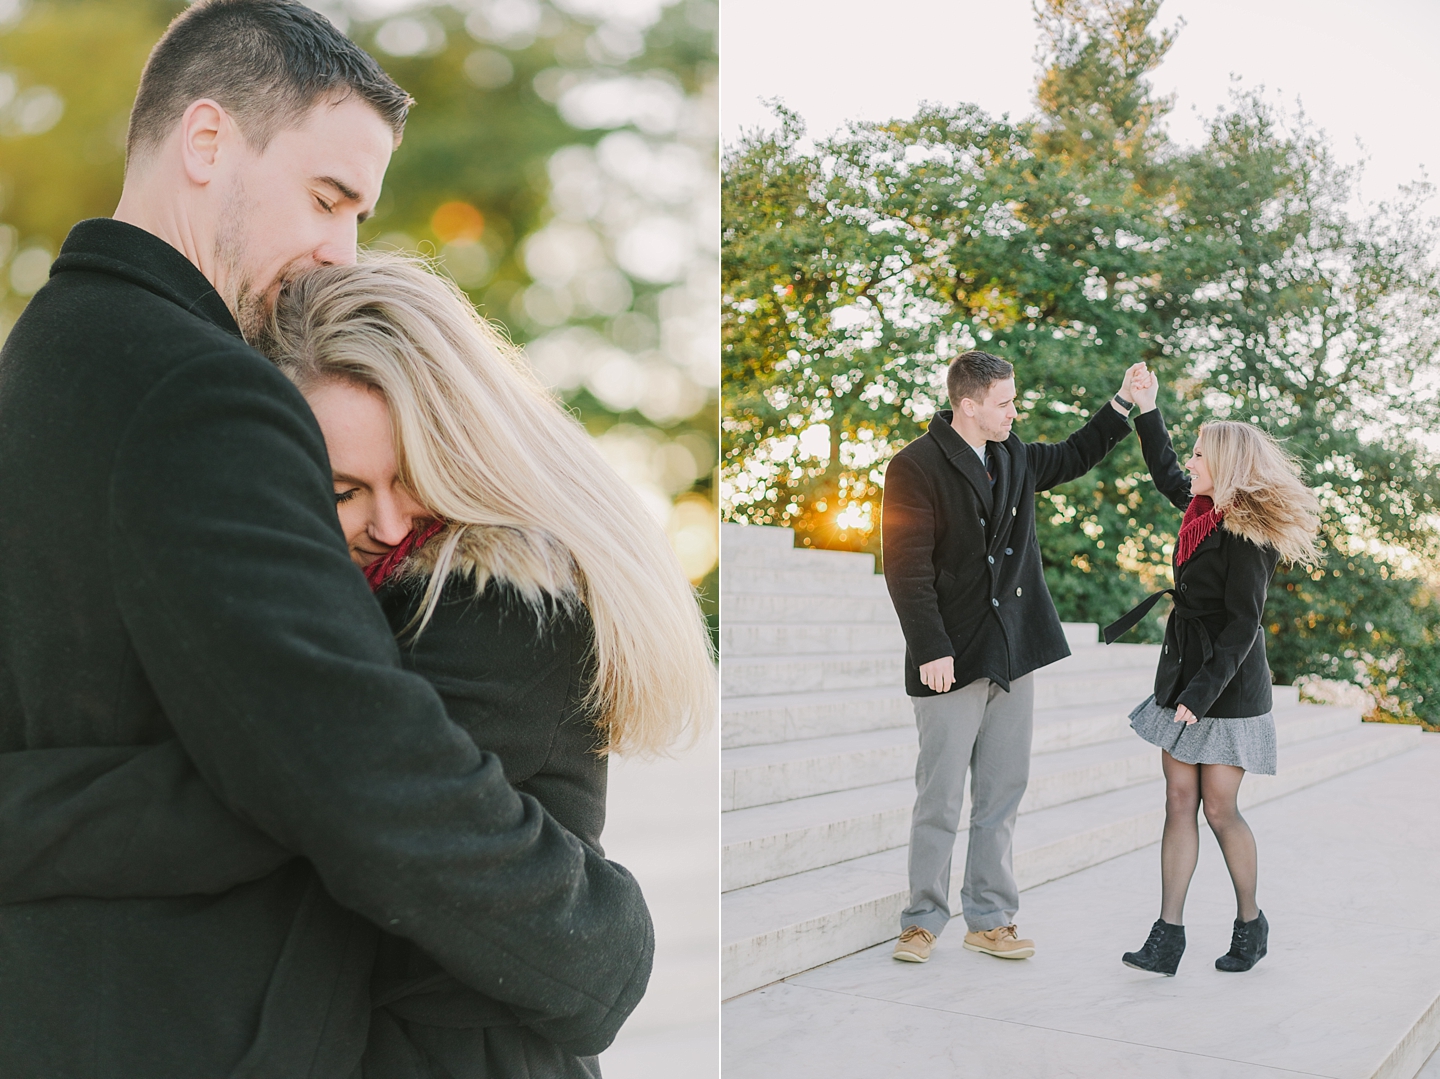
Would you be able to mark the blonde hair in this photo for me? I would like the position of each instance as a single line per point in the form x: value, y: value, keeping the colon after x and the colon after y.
x: 527, y: 496
x: 1258, y: 487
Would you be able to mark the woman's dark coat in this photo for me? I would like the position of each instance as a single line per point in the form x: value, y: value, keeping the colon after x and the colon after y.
x: 516, y: 682
x: 962, y: 562
x: 1213, y: 659
x: 179, y: 619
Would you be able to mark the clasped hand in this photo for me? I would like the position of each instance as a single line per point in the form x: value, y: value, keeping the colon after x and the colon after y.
x: 1140, y: 386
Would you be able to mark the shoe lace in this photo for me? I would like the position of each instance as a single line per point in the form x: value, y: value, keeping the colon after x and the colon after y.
x: 915, y: 931
x: 1239, y: 937
x: 1007, y: 930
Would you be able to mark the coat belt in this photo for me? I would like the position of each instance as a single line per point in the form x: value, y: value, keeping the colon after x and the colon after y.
x: 1189, y: 622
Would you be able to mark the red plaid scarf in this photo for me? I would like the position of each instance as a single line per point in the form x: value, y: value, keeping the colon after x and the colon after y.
x: 1201, y: 518
x: 379, y: 571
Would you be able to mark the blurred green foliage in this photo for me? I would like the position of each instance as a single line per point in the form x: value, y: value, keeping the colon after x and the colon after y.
x: 515, y: 100
x: 1075, y: 243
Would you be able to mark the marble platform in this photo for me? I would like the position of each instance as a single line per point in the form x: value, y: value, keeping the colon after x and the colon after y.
x: 818, y: 755
x: 663, y: 818
x: 1350, y: 881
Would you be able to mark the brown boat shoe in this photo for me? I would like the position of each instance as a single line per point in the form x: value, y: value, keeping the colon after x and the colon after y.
x: 1003, y: 943
x: 914, y: 945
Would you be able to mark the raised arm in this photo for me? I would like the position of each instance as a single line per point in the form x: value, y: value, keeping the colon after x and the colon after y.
x: 1054, y: 463
x: 1169, y: 478
x: 281, y: 679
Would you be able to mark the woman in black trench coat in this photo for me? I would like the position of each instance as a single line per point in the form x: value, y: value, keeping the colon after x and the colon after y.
x: 522, y: 577
x: 1245, y: 509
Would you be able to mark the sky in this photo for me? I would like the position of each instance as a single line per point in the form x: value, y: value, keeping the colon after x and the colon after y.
x: 1361, y: 69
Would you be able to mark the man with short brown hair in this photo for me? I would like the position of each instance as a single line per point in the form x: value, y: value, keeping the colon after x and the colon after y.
x: 962, y: 564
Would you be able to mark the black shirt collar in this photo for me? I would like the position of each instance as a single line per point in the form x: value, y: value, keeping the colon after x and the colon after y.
x: 104, y: 245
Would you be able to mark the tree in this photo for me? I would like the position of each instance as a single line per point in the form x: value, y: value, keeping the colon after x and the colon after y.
x: 1074, y: 243
x: 558, y: 164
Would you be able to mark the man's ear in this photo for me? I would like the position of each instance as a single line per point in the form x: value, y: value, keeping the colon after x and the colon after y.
x: 967, y: 406
x: 205, y: 130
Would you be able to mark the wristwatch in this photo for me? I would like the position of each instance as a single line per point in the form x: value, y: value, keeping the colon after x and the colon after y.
x: 1126, y: 405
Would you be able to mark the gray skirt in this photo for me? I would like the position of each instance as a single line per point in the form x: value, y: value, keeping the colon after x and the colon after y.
x: 1246, y: 743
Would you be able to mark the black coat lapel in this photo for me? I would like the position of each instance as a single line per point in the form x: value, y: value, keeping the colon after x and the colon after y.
x: 966, y: 460
x: 963, y: 457
x: 1004, y: 475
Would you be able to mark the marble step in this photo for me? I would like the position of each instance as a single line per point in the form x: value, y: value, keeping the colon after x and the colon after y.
x: 802, y: 582
x: 734, y: 537
x: 781, y: 771
x: 1085, y: 677
x: 744, y: 559
x: 789, y: 717
x: 765, y: 719
x: 738, y: 607
x: 742, y: 639
x: 752, y: 721
x: 766, y: 842
x: 781, y: 927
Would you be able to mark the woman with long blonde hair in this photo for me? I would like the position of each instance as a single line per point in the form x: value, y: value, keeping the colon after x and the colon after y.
x: 1246, y: 508
x: 520, y: 573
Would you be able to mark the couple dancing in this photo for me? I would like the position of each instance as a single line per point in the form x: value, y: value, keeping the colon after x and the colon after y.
x: 319, y: 619
x: 963, y: 567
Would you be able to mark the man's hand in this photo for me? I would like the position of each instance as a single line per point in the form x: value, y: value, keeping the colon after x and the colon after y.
x: 1141, y: 386
x: 939, y: 674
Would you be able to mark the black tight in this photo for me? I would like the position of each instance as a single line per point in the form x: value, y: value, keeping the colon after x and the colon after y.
x: 1187, y: 787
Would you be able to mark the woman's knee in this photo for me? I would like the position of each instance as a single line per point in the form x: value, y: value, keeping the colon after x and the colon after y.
x: 1182, y: 799
x: 1221, y: 813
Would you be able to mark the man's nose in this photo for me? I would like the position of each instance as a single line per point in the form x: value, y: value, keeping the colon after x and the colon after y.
x: 338, y: 248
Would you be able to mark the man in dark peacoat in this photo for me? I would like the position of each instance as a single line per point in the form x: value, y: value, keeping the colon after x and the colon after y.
x: 963, y: 567
x: 178, y: 606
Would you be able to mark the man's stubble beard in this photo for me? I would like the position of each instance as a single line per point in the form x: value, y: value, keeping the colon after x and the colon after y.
x: 251, y: 308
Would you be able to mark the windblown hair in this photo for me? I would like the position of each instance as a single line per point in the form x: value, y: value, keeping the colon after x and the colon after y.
x: 528, y: 498
x: 971, y: 375
x: 266, y: 62
x: 1258, y: 486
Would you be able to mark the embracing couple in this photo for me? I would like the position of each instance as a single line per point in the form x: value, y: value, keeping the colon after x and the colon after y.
x: 963, y: 567
x: 318, y: 618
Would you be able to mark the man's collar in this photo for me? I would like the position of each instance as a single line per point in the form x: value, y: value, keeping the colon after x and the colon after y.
x: 104, y: 245
x: 942, y: 428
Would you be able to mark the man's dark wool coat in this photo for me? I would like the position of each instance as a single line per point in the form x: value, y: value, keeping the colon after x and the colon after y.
x: 962, y: 562
x: 174, y: 587
x: 1213, y: 659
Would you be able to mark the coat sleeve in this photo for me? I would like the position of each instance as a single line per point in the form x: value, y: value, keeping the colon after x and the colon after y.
x: 1169, y: 478
x: 1247, y: 579
x: 907, y: 529
x: 1054, y: 463
x: 280, y: 676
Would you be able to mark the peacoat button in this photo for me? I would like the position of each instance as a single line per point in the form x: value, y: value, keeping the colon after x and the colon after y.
x: 991, y: 559
x: 1009, y: 551
x: 1184, y: 588
x: 1017, y: 591
x: 1014, y: 510
x: 994, y: 603
x: 982, y: 522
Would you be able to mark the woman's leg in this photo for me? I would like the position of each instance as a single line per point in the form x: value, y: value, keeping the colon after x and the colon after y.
x: 1180, y: 845
x: 1219, y: 786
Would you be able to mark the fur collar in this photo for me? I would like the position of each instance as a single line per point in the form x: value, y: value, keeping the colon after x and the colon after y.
x: 532, y: 562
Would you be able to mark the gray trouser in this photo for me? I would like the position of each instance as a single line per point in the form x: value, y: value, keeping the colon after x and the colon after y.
x: 982, y: 727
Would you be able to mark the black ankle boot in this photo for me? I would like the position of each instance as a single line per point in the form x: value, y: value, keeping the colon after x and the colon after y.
x: 1162, y: 952
x: 1247, y: 945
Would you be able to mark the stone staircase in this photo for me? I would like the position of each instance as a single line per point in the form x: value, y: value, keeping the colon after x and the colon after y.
x: 818, y: 756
